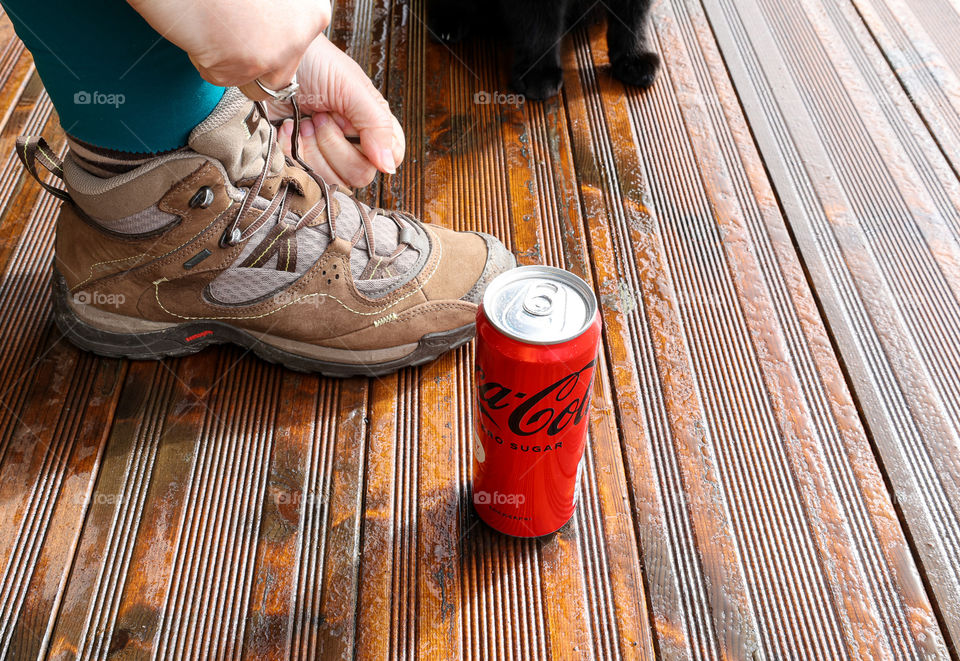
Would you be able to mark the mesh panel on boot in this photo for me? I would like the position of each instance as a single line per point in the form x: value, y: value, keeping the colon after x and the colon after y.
x: 386, y: 236
x: 311, y: 242
x: 242, y: 285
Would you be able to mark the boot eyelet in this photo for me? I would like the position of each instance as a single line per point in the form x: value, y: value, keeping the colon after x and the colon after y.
x: 203, y: 198
x: 229, y: 238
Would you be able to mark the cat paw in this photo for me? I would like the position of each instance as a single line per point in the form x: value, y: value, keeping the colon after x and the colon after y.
x: 540, y: 83
x: 638, y: 70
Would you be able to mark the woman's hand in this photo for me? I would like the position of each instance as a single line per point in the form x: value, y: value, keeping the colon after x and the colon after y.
x: 343, y: 101
x: 234, y: 42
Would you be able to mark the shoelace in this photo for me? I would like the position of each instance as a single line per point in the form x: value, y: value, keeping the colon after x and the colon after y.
x: 233, y: 235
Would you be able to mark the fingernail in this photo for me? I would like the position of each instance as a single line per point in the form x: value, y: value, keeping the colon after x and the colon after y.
x: 321, y: 119
x: 287, y: 128
x: 389, y: 164
x: 306, y: 129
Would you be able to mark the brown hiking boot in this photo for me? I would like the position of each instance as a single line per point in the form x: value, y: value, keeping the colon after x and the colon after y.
x: 226, y: 240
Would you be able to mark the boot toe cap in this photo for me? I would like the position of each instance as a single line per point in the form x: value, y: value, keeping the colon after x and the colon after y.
x: 499, y: 260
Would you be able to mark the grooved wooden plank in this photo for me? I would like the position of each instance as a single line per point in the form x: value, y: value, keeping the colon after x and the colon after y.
x: 205, y: 606
x: 105, y: 542
x: 19, y: 192
x: 875, y: 209
x: 374, y: 624
x: 309, y: 633
x: 16, y: 67
x: 51, y: 462
x: 343, y: 501
x: 918, y: 40
x: 23, y: 299
x: 286, y: 504
x: 139, y: 605
x: 439, y: 484
x: 675, y: 417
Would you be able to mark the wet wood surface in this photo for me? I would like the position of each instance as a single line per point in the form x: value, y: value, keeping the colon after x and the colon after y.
x: 772, y: 473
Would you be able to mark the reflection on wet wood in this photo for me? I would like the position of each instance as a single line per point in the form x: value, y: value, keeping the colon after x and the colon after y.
x: 732, y: 504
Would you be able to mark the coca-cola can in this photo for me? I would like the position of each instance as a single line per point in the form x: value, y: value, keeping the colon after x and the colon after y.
x: 538, y: 333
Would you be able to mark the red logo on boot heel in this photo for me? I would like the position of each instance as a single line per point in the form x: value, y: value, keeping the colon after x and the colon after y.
x: 199, y: 335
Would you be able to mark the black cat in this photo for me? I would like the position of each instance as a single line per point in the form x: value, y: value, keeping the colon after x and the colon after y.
x: 535, y: 29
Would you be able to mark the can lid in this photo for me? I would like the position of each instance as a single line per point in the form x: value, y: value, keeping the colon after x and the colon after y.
x: 540, y: 304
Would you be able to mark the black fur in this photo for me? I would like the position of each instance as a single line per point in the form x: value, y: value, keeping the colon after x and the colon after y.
x: 535, y: 29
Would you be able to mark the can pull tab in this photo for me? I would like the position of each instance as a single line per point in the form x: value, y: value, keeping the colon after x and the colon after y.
x: 540, y: 299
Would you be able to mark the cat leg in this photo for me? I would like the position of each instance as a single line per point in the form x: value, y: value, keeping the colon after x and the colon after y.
x: 631, y: 58
x: 535, y: 29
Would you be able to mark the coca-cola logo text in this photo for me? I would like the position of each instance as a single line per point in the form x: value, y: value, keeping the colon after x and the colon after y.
x: 560, y: 404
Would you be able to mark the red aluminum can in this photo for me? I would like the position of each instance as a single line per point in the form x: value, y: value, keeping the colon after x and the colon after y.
x: 538, y: 333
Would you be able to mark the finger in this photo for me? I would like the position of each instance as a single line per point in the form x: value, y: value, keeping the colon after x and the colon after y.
x: 377, y: 140
x: 399, y: 142
x: 344, y: 124
x: 318, y: 163
x: 309, y: 153
x: 348, y: 129
x: 392, y: 135
x: 350, y: 164
x: 284, y: 137
x: 327, y: 13
x: 398, y: 145
x: 281, y: 78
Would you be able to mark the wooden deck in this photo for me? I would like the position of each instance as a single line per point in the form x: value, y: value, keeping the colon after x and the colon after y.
x: 774, y: 462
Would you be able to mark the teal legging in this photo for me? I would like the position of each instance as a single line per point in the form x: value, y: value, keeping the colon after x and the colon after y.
x: 115, y: 82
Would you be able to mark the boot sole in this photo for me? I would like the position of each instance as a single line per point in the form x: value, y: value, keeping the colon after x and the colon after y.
x: 189, y: 338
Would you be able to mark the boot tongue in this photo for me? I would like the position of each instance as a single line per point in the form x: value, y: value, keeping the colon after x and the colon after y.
x: 238, y: 136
